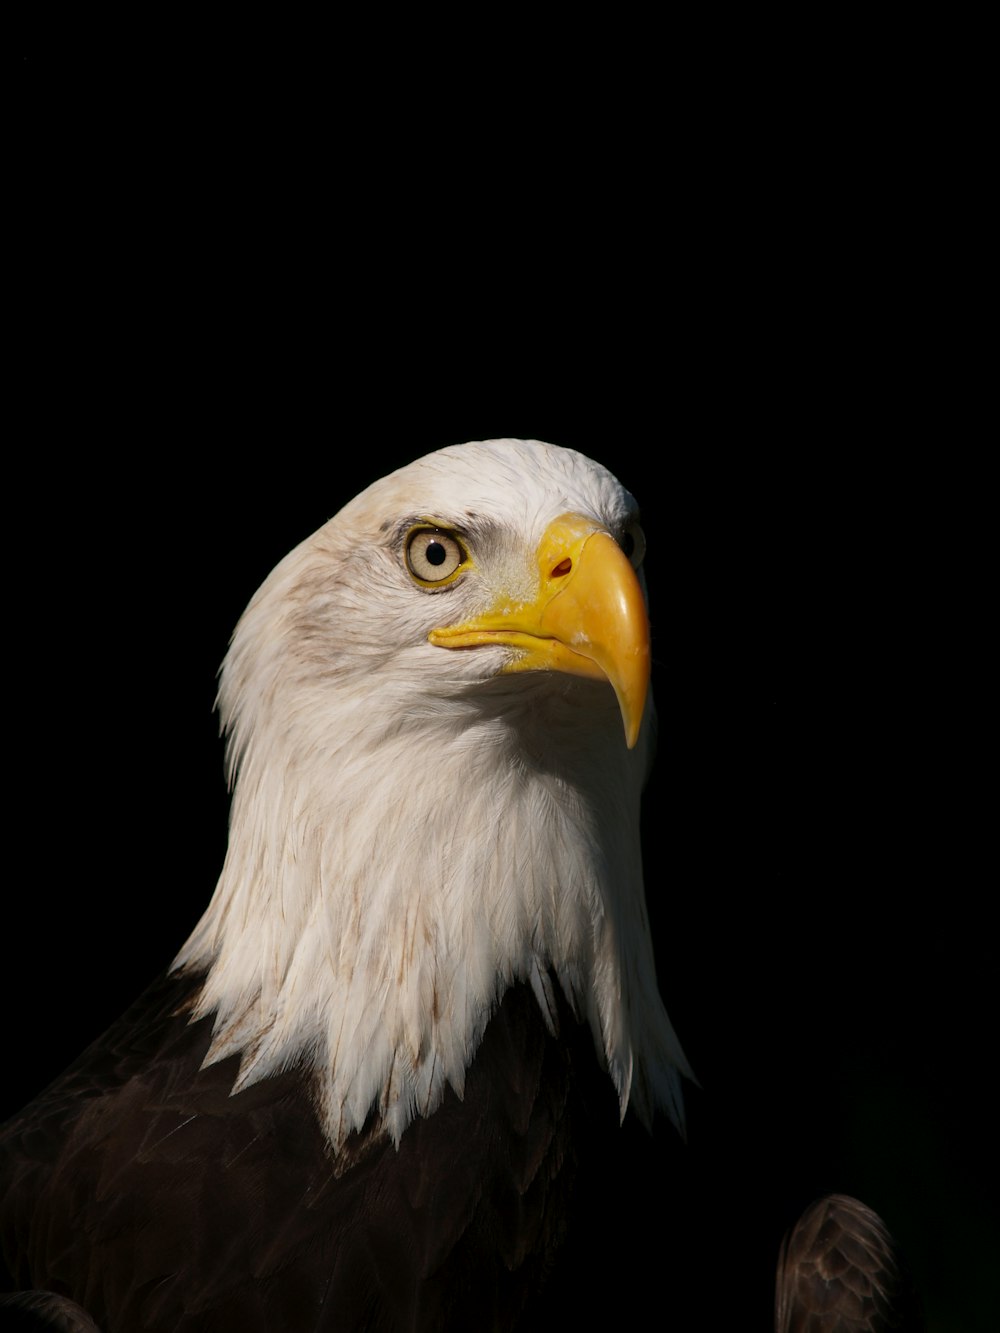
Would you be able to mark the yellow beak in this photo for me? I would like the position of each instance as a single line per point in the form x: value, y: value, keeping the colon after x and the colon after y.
x: 588, y: 618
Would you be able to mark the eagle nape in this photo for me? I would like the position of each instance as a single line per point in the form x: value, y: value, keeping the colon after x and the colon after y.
x: 386, y: 1081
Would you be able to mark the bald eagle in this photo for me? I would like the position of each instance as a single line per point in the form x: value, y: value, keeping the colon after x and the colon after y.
x: 357, y: 1097
x: 422, y: 1000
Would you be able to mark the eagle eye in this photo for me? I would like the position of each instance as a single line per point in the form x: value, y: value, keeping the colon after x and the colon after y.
x: 433, y: 556
x: 633, y: 543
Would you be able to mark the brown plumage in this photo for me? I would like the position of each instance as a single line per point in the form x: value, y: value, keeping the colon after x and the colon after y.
x: 238, y: 1218
x: 839, y: 1271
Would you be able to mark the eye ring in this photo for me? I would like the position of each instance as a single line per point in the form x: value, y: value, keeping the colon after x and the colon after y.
x: 633, y: 543
x: 433, y: 556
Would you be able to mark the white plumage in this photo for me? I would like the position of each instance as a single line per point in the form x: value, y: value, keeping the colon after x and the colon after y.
x: 412, y: 829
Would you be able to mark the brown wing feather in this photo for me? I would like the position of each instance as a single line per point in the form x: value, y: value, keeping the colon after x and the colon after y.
x: 839, y: 1271
x: 43, y: 1312
x: 139, y: 1187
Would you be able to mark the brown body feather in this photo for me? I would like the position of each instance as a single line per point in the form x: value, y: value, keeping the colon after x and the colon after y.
x: 140, y: 1187
x: 839, y: 1271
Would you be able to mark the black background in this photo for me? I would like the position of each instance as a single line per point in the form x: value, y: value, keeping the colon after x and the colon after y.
x: 258, y: 275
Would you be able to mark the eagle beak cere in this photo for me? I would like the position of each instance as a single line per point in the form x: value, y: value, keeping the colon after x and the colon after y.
x: 588, y: 618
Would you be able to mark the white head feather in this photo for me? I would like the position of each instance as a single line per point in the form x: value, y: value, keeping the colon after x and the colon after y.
x: 411, y: 832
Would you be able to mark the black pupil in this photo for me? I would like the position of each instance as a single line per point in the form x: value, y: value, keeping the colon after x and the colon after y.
x: 435, y: 553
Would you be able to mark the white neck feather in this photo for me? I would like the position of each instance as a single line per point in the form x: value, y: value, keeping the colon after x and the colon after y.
x: 397, y: 862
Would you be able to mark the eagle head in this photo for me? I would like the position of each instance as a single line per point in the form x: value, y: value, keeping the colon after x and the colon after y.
x: 438, y: 727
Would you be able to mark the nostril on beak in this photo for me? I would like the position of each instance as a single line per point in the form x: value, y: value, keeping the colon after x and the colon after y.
x: 563, y: 567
